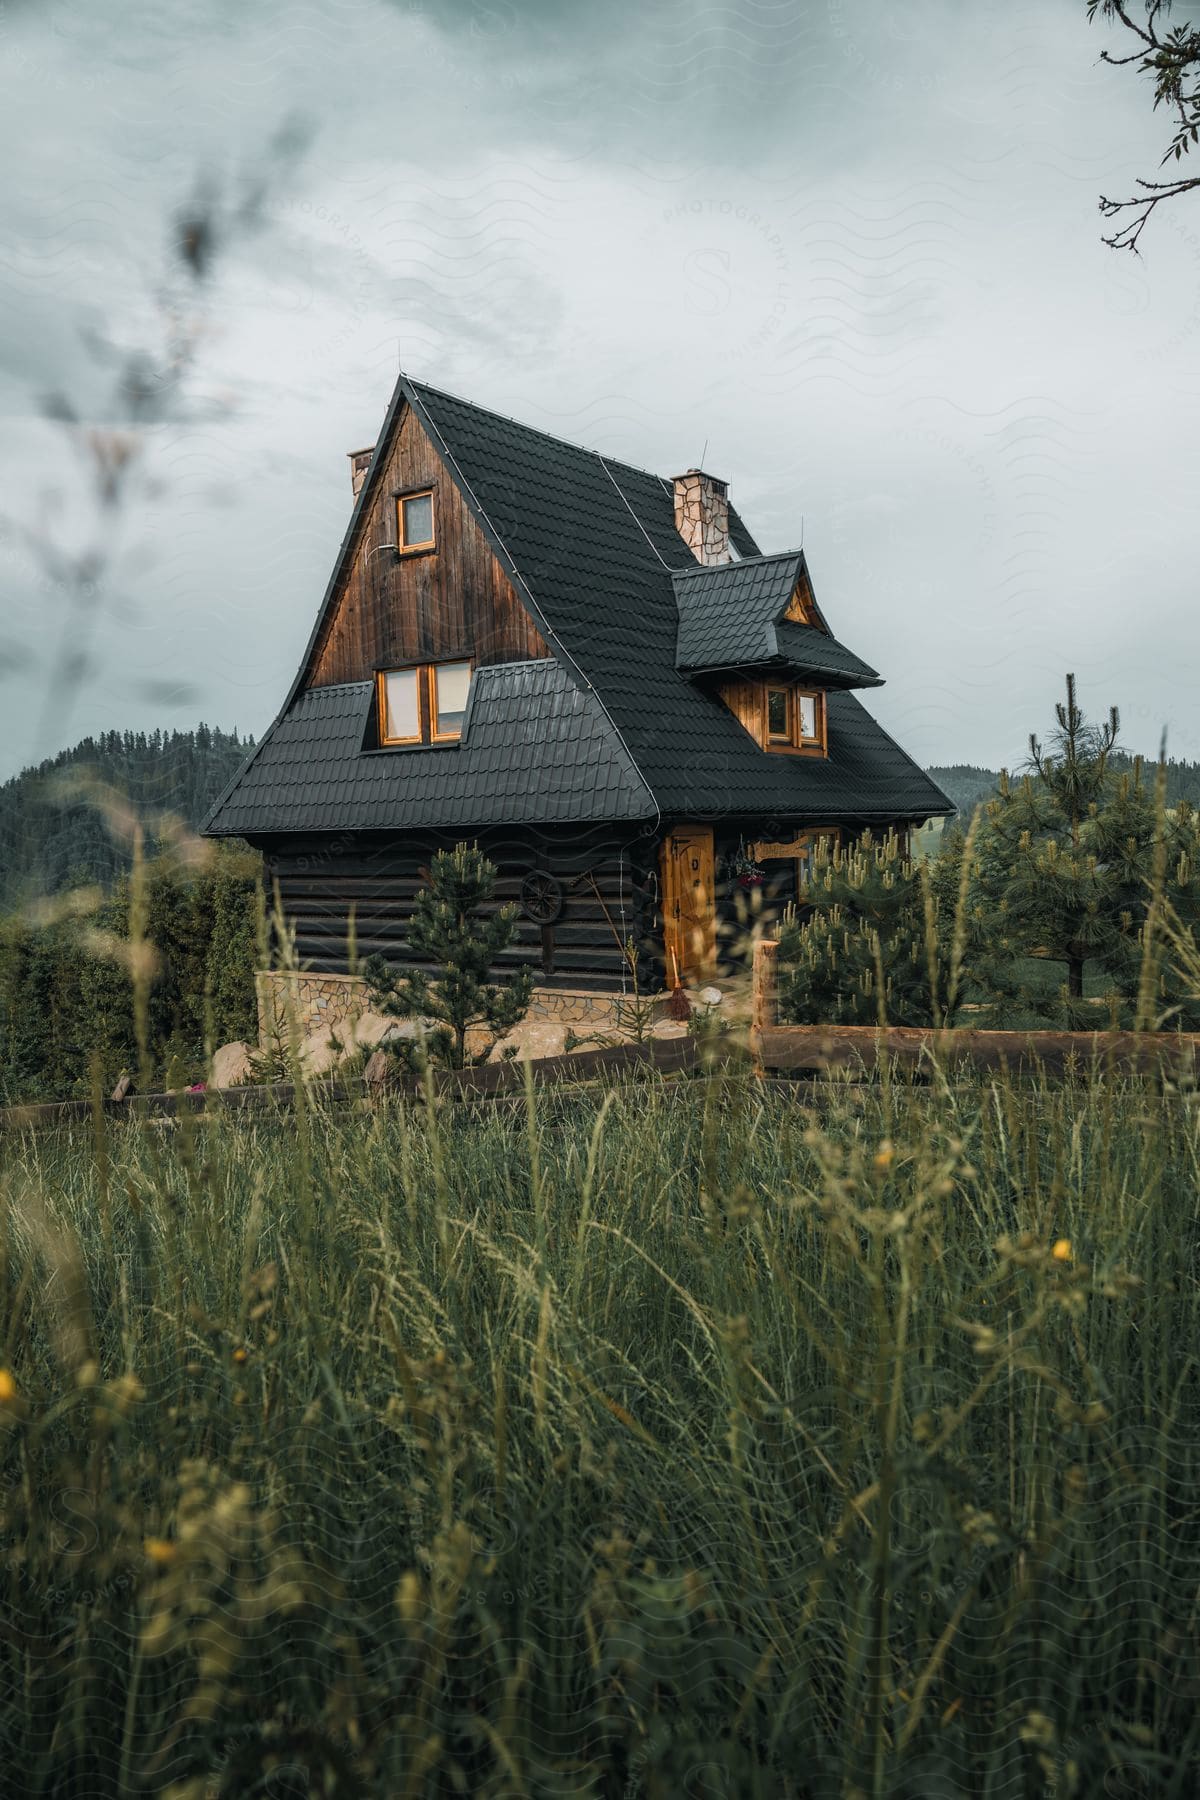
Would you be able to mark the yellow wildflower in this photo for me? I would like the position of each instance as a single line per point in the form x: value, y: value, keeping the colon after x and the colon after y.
x: 159, y: 1550
x: 240, y: 1354
x: 1062, y: 1250
x: 8, y: 1387
x: 884, y: 1156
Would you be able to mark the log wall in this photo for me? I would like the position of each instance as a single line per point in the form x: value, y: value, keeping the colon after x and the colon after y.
x: 610, y: 892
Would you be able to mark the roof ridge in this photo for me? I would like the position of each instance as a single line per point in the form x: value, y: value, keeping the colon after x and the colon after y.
x: 740, y: 562
x: 524, y: 425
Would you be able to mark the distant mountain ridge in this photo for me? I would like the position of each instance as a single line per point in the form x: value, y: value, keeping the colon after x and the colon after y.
x: 967, y: 785
x: 53, y: 835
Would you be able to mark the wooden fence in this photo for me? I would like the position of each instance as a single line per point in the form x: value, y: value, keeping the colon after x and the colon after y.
x: 813, y: 1049
x: 490, y: 1082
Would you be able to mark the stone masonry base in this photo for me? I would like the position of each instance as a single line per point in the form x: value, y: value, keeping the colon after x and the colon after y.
x: 322, y: 1002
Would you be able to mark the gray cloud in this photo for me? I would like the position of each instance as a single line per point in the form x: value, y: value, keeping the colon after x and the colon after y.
x: 853, y: 250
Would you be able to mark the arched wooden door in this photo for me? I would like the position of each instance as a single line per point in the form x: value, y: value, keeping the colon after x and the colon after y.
x: 689, y: 904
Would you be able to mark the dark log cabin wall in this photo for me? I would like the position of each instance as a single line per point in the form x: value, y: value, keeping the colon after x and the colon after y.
x: 608, y: 879
x: 454, y: 600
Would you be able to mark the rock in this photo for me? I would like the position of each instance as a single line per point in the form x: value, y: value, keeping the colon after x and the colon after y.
x: 231, y: 1065
x: 374, y: 1028
x: 710, y: 996
x: 322, y: 1051
x: 541, y: 1037
x: 669, y: 1028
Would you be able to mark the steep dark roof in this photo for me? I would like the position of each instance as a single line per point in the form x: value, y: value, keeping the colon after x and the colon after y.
x: 535, y: 749
x: 726, y: 611
x: 731, y: 617
x: 591, y: 547
x: 809, y: 652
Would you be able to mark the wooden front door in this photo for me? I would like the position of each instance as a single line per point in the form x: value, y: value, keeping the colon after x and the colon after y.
x: 689, y: 904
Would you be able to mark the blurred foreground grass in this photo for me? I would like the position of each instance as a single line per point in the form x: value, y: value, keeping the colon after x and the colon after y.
x: 696, y: 1442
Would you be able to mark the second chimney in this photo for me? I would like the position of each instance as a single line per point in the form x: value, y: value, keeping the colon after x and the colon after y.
x: 702, y: 515
x: 360, y: 462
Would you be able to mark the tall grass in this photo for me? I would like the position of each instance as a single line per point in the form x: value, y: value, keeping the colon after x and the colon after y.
x: 691, y: 1441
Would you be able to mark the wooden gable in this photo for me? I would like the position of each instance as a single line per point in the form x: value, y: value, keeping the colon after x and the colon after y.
x: 801, y: 608
x: 454, y: 600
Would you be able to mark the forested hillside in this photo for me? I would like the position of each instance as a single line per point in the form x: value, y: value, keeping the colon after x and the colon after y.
x: 53, y: 835
x: 967, y: 785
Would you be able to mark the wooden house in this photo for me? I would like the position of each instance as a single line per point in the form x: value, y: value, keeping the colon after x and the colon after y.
x: 589, y: 670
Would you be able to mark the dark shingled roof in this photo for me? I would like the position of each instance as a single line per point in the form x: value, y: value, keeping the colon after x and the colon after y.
x: 807, y: 651
x: 726, y: 610
x: 731, y: 617
x: 591, y: 547
x: 535, y: 749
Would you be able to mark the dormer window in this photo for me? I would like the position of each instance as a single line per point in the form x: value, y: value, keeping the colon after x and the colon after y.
x: 400, y: 706
x: 448, y: 684
x: 422, y: 705
x: 795, y: 719
x: 414, y: 521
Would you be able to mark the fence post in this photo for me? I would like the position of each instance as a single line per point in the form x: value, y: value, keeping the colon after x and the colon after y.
x: 764, y: 996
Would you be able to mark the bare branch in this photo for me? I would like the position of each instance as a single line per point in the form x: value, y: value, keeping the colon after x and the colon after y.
x: 1171, y: 58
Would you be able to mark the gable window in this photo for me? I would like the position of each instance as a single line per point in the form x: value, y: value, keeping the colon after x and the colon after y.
x: 400, y: 706
x: 795, y: 720
x: 423, y: 705
x: 414, y: 521
x: 448, y: 684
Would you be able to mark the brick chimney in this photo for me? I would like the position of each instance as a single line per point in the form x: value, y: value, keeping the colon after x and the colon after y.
x: 702, y: 515
x: 360, y: 462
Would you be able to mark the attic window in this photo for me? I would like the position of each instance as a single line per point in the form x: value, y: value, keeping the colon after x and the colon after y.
x: 448, y: 684
x: 422, y: 705
x: 794, y: 720
x: 414, y: 521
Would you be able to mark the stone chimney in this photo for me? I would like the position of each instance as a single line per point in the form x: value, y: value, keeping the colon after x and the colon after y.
x: 702, y: 515
x: 360, y: 462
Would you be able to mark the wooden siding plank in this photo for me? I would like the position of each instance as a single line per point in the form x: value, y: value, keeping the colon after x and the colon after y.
x: 454, y: 600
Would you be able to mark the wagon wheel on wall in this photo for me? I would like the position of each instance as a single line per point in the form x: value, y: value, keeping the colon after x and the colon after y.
x: 541, y: 897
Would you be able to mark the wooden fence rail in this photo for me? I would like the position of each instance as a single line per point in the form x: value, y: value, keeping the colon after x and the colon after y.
x: 814, y: 1049
x: 492, y: 1081
x: 818, y: 1049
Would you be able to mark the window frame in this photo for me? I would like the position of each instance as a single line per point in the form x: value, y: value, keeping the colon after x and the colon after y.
x: 431, y: 677
x: 426, y: 674
x: 381, y: 704
x: 403, y: 547
x: 778, y: 740
x: 796, y: 742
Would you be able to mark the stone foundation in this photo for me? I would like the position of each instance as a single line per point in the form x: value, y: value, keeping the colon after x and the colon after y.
x: 322, y: 1002
x: 576, y: 1006
x: 318, y: 1002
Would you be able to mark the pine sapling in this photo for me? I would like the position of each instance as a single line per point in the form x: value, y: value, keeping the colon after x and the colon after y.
x: 455, y: 930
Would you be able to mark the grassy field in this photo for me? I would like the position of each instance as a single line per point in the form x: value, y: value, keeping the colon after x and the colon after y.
x: 697, y: 1442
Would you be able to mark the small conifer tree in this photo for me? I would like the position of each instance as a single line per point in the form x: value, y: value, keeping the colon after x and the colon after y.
x: 1059, y: 873
x: 1064, y: 871
x: 864, y: 921
x: 453, y: 928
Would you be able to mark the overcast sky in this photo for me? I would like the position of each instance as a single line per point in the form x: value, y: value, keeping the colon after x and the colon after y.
x: 849, y: 254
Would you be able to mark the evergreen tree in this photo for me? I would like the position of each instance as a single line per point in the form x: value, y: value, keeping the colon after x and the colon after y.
x: 66, y: 993
x: 864, y: 913
x: 453, y: 929
x: 1062, y: 875
x: 53, y: 836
